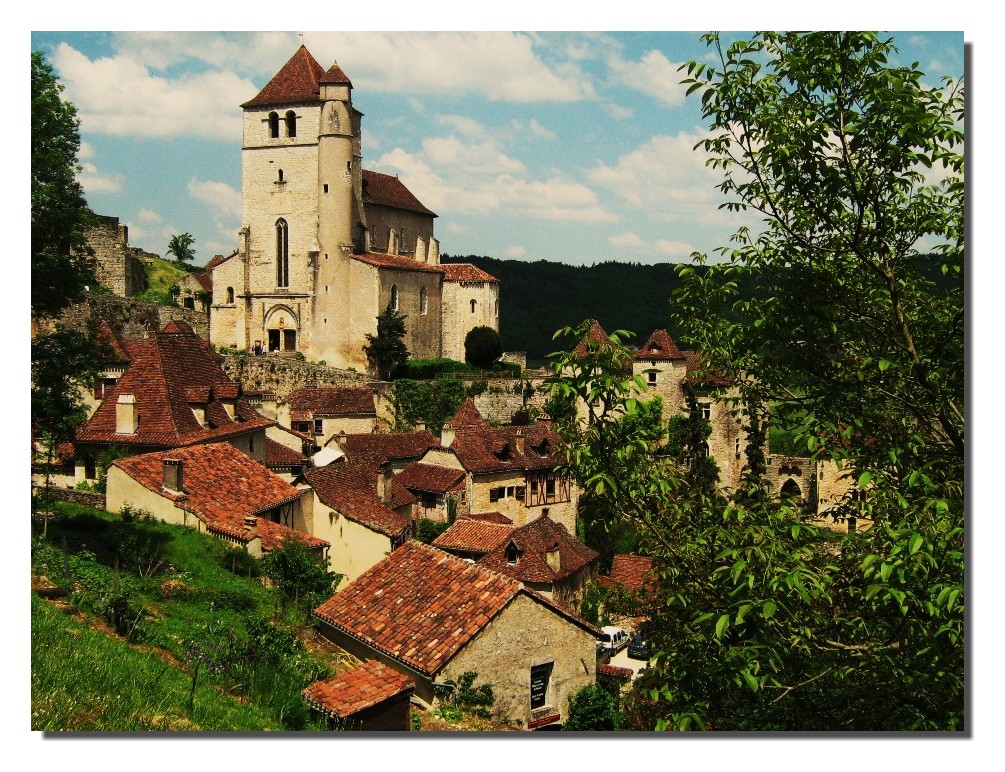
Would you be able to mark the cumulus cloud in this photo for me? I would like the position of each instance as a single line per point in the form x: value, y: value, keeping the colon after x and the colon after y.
x: 627, y: 240
x: 149, y: 216
x: 654, y: 75
x: 121, y: 97
x: 86, y: 150
x: 675, y: 249
x: 618, y: 112
x: 463, y: 125
x: 222, y: 201
x: 94, y: 182
x: 515, y: 251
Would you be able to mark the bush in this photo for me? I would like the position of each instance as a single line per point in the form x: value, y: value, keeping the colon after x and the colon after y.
x: 424, y: 369
x: 482, y: 347
x: 427, y: 530
x: 592, y: 709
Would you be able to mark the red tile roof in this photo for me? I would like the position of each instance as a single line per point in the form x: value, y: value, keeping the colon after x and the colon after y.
x: 397, y: 262
x: 116, y: 344
x: 356, y: 690
x: 596, y: 333
x: 659, y: 347
x: 533, y: 541
x: 420, y: 605
x: 178, y: 327
x: 273, y: 535
x: 335, y: 76
x: 297, y: 81
x: 466, y: 272
x: 431, y: 478
x: 385, y: 190
x: 488, y: 517
x: 350, y: 488
x: 217, y: 260
x: 379, y: 448
x: 331, y: 401
x: 278, y: 455
x: 482, y: 448
x: 467, y: 535
x: 632, y: 571
x: 165, y: 373
x: 621, y: 673
x: 697, y: 374
x: 221, y: 486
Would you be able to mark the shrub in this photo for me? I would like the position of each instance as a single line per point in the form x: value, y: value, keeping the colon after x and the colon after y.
x: 592, y: 709
x: 427, y: 530
x: 482, y: 347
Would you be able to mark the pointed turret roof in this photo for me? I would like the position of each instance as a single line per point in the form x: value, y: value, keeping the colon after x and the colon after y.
x: 468, y: 416
x: 660, y: 346
x: 297, y: 81
x: 596, y: 333
x: 336, y: 76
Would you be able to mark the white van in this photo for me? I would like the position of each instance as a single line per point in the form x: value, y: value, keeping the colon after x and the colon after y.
x: 612, y: 640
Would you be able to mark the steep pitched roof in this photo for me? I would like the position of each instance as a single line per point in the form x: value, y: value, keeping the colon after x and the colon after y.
x: 595, y: 333
x: 336, y: 76
x: 332, y: 401
x: 468, y: 417
x: 385, y: 190
x: 482, y: 448
x: 296, y: 81
x: 631, y: 571
x: 357, y: 689
x: 379, y: 448
x: 430, y: 477
x: 221, y: 486
x: 465, y: 272
x: 467, y: 535
x: 698, y: 374
x: 350, y: 487
x: 533, y: 541
x: 659, y: 347
x: 110, y: 337
x: 397, y: 262
x: 164, y: 374
x: 420, y: 605
x: 279, y: 456
x: 217, y: 260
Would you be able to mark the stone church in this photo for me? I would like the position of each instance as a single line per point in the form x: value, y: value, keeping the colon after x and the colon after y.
x: 326, y: 245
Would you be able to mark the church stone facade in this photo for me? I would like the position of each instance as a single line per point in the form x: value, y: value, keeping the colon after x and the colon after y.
x: 326, y: 245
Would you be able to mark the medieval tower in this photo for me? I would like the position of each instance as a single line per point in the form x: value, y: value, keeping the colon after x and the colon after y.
x: 326, y: 245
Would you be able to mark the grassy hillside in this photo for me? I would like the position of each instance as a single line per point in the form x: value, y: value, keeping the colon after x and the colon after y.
x: 180, y: 612
x: 161, y: 276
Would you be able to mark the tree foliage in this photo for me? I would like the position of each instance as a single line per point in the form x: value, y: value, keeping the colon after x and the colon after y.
x: 61, y: 260
x: 386, y: 351
x: 181, y: 246
x: 300, y: 575
x: 766, y: 620
x: 592, y: 709
x: 482, y: 347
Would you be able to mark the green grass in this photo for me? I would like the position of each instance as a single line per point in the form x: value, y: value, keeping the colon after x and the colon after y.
x: 161, y: 276
x: 192, y: 609
x: 84, y: 680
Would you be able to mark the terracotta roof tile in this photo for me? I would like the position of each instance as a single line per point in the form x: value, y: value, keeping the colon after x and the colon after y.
x: 336, y: 76
x: 278, y: 455
x: 216, y: 260
x: 596, y: 333
x: 385, y: 190
x: 420, y: 605
x: 533, y: 541
x: 221, y: 485
x: 116, y: 344
x: 464, y: 272
x: 273, y: 535
x: 178, y: 327
x: 398, y: 446
x: 659, y: 347
x: 467, y: 416
x: 467, y: 535
x: 296, y: 81
x: 430, y: 477
x: 356, y: 690
x: 488, y: 517
x: 632, y: 571
x: 397, y: 262
x: 331, y: 401
x: 164, y: 370
x: 621, y: 673
x: 482, y: 448
x: 696, y: 372
x: 350, y: 487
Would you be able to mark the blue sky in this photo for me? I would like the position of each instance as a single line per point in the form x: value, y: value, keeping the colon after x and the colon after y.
x: 575, y: 147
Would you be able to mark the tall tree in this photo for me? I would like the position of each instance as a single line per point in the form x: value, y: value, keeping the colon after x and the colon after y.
x: 763, y: 620
x: 386, y: 351
x: 181, y: 246
x: 61, y: 260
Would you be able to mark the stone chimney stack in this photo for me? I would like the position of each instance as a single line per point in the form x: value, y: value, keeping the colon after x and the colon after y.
x: 420, y: 250
x: 173, y: 477
x: 545, y: 420
x: 127, y: 417
x: 420, y: 424
x: 554, y: 558
x: 447, y: 435
x: 384, y: 478
x: 341, y: 440
x: 521, y: 443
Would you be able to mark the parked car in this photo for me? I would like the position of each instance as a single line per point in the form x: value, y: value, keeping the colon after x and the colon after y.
x: 638, y: 648
x: 613, y: 640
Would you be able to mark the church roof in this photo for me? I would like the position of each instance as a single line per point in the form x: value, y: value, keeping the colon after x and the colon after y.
x: 385, y: 190
x: 466, y: 272
x: 596, y: 334
x: 336, y: 76
x: 297, y: 81
x: 397, y: 262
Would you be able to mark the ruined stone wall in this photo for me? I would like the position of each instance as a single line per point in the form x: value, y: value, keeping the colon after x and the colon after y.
x: 792, y: 470
x: 280, y: 375
x: 503, y: 397
x: 133, y: 318
x: 85, y: 498
x: 114, y: 263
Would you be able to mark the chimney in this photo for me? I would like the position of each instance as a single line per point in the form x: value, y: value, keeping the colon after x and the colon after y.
x: 447, y: 435
x: 520, y: 442
x: 420, y: 424
x: 553, y: 558
x: 384, y: 483
x: 173, y: 478
x: 127, y: 418
x: 545, y: 420
x: 250, y: 521
x: 341, y: 440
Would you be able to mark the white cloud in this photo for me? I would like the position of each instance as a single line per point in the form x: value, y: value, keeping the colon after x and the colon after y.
x: 675, y: 249
x: 618, y: 112
x: 455, y: 228
x: 94, y: 182
x: 147, y: 215
x: 462, y: 124
x: 515, y: 251
x: 86, y: 151
x: 539, y: 131
x: 480, y: 158
x: 222, y: 201
x: 653, y: 75
x: 627, y: 240
x: 119, y: 96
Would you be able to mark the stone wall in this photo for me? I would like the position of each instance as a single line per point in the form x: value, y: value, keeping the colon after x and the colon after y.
x: 792, y: 470
x: 503, y: 397
x: 133, y: 318
x: 114, y: 263
x: 85, y: 498
x: 280, y: 375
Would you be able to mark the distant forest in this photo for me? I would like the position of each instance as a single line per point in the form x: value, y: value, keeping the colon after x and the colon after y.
x: 538, y: 298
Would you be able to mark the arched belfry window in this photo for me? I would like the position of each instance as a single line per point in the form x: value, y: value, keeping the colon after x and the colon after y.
x: 291, y: 124
x: 230, y: 296
x: 274, y: 125
x: 282, y: 254
x: 423, y: 301
x: 394, y: 297
x: 474, y: 305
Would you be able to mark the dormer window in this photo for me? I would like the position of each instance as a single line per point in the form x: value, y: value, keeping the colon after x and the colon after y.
x: 512, y: 553
x: 274, y: 125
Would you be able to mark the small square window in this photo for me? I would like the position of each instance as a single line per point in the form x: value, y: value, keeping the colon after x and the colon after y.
x: 652, y: 377
x: 706, y: 410
x: 319, y: 426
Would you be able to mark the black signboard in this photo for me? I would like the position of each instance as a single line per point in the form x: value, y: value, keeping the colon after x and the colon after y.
x: 539, y: 677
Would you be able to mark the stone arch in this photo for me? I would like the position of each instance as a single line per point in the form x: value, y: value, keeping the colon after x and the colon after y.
x: 282, y: 329
x: 791, y: 490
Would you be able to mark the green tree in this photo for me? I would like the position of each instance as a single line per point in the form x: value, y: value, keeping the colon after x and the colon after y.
x: 482, y: 347
x: 766, y: 621
x: 61, y: 261
x: 300, y: 575
x: 180, y: 245
x: 592, y: 709
x: 386, y: 351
